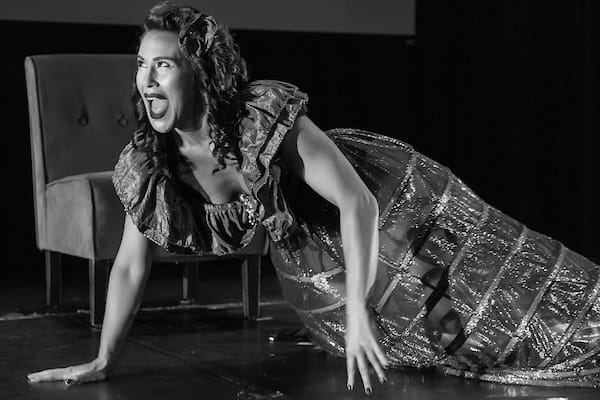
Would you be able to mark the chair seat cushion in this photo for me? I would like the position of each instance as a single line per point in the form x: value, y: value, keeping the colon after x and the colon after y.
x: 84, y: 216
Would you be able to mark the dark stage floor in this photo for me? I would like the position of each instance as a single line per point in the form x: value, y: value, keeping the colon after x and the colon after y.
x: 201, y: 352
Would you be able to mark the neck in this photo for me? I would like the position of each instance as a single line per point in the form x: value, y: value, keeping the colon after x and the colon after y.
x: 197, y: 136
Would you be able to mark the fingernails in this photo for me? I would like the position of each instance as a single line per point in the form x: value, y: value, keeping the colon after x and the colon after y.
x: 368, y: 390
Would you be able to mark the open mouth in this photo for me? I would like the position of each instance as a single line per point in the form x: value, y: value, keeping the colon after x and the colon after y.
x: 157, y: 105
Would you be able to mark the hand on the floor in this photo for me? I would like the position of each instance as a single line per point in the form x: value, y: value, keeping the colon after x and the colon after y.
x: 362, y: 349
x: 90, y: 372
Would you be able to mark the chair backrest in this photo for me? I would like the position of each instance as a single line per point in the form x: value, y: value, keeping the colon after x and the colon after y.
x: 80, y: 115
x: 80, y: 110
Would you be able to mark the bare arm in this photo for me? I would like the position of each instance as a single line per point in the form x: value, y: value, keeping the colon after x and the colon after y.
x: 126, y: 285
x: 325, y: 169
x: 125, y: 289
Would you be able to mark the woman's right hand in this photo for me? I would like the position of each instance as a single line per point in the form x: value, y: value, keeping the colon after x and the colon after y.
x: 126, y: 285
x: 90, y: 372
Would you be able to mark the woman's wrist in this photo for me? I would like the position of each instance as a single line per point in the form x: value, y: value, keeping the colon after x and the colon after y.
x: 356, y: 302
x: 357, y: 296
x: 101, y: 363
x: 356, y: 308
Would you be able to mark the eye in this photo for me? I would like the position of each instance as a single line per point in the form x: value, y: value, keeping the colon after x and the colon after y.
x: 140, y: 63
x: 162, y: 64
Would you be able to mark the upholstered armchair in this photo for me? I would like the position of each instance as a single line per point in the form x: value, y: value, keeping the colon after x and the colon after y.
x: 81, y: 117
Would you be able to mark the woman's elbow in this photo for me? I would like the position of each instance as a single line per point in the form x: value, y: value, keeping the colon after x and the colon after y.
x: 364, y: 203
x: 133, y: 262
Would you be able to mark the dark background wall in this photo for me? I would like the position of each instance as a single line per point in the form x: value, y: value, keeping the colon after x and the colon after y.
x: 342, y: 16
x: 332, y: 68
x: 510, y: 100
x: 504, y: 93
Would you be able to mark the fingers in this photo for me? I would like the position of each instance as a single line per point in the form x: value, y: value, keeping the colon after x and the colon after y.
x: 376, y: 358
x: 56, y: 374
x: 380, y: 354
x: 364, y: 373
x: 350, y: 371
x: 70, y: 375
x: 363, y: 350
x: 376, y: 365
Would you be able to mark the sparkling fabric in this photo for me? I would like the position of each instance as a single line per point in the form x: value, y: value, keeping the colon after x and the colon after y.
x: 460, y: 286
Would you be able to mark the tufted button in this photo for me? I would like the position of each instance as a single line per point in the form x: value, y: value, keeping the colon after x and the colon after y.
x: 83, y: 121
x: 123, y: 121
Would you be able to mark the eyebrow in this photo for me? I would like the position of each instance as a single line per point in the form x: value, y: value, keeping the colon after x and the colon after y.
x: 173, y: 59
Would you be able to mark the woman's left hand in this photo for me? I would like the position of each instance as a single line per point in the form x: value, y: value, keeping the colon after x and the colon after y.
x: 362, y: 348
x: 323, y: 166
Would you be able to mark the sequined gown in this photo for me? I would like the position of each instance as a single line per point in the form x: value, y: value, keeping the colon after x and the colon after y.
x: 460, y: 285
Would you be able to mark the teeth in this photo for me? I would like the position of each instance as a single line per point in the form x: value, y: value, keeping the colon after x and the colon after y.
x: 154, y: 96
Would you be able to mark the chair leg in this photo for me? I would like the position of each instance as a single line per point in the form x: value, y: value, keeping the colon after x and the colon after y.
x: 251, y: 286
x: 190, y: 282
x: 53, y: 279
x: 98, y: 278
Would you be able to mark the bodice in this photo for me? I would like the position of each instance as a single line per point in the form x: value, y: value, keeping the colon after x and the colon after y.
x: 232, y: 224
x: 167, y: 205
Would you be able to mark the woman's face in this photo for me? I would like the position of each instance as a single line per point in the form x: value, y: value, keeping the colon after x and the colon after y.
x: 165, y: 80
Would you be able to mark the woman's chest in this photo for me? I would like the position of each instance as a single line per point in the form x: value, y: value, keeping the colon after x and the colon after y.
x: 221, y: 184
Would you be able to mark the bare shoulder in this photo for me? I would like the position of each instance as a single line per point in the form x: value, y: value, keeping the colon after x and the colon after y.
x: 309, y: 140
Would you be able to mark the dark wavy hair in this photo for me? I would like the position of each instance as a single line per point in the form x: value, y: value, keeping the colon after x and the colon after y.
x: 219, y: 76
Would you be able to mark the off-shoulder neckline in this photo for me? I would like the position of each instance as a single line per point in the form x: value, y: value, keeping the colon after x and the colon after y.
x: 240, y: 199
x: 186, y: 174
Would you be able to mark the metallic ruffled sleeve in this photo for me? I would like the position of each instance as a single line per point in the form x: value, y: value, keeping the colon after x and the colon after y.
x: 156, y: 207
x: 271, y: 110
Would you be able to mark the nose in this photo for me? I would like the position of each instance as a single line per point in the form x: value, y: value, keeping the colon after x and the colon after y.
x: 148, y: 78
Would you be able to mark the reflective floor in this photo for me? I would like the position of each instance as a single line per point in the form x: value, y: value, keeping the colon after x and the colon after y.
x: 204, y: 352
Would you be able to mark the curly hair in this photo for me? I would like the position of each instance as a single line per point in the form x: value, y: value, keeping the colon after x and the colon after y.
x: 219, y: 76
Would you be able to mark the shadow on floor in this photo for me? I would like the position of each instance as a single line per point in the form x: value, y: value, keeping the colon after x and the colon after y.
x: 204, y: 352
x: 215, y: 354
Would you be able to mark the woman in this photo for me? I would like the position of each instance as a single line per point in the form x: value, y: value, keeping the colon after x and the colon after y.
x: 428, y: 274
